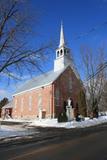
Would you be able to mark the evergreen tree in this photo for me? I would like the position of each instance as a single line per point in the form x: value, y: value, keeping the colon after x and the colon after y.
x: 3, y: 102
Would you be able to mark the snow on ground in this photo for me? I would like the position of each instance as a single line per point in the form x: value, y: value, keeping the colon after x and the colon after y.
x: 7, y: 131
x: 73, y: 124
x: 16, y: 120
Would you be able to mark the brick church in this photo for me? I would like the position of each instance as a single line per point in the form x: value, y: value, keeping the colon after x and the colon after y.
x: 45, y: 96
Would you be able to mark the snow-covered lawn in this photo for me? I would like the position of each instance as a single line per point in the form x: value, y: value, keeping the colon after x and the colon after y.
x: 7, y: 131
x: 73, y: 124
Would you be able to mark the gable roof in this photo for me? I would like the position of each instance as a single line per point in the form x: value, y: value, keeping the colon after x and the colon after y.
x: 40, y: 81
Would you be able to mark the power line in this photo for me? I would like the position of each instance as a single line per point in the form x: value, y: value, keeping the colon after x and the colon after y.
x: 93, y: 29
x: 102, y: 67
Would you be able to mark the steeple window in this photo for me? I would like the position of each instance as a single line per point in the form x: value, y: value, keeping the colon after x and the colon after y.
x: 62, y: 54
x: 61, y: 51
x: 64, y: 51
x: 57, y: 53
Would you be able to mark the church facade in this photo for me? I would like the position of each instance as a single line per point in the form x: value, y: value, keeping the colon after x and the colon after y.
x: 45, y: 96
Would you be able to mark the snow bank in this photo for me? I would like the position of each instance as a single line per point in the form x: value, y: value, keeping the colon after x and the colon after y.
x: 13, y: 131
x: 73, y: 124
x: 19, y: 131
x: 7, y: 131
x: 15, y: 120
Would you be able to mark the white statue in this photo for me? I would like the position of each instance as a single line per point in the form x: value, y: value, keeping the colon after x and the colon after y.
x: 69, y: 110
x: 69, y: 102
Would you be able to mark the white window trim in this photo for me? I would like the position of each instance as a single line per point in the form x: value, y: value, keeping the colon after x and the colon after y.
x: 22, y: 102
x: 15, y: 103
x: 30, y: 103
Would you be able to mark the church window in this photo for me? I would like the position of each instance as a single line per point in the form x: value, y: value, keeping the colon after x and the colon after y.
x: 70, y: 84
x: 57, y: 95
x: 15, y: 103
x: 22, y: 101
x: 30, y: 103
x: 58, y: 54
x: 64, y: 51
x: 39, y: 101
x: 61, y: 52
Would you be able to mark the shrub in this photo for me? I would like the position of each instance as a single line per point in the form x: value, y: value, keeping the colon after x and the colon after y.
x: 62, y: 117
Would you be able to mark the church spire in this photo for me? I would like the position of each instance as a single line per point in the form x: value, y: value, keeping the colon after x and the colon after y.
x: 62, y: 54
x: 62, y: 41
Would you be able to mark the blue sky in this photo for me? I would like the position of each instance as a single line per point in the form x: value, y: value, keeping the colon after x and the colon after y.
x: 84, y: 24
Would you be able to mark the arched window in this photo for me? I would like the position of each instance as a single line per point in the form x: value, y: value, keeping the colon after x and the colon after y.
x: 39, y: 101
x: 64, y: 51
x: 22, y: 101
x: 30, y: 103
x: 70, y: 84
x: 15, y: 103
x: 67, y: 51
x: 61, y: 51
x: 57, y: 95
x: 57, y: 53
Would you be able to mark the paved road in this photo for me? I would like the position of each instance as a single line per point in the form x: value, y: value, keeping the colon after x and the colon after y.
x: 85, y: 146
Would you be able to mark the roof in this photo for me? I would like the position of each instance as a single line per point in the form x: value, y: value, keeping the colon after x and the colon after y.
x: 40, y: 81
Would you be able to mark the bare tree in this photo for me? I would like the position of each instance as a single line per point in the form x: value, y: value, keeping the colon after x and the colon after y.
x: 94, y: 83
x: 16, y: 55
x: 103, y: 102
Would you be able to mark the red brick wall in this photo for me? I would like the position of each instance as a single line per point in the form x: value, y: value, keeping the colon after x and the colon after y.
x: 62, y: 83
x: 48, y: 97
x: 46, y: 94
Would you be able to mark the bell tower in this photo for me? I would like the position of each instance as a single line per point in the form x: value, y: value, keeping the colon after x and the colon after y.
x: 63, y: 57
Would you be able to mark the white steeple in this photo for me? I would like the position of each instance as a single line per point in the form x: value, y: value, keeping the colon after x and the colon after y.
x: 62, y: 41
x: 63, y: 58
